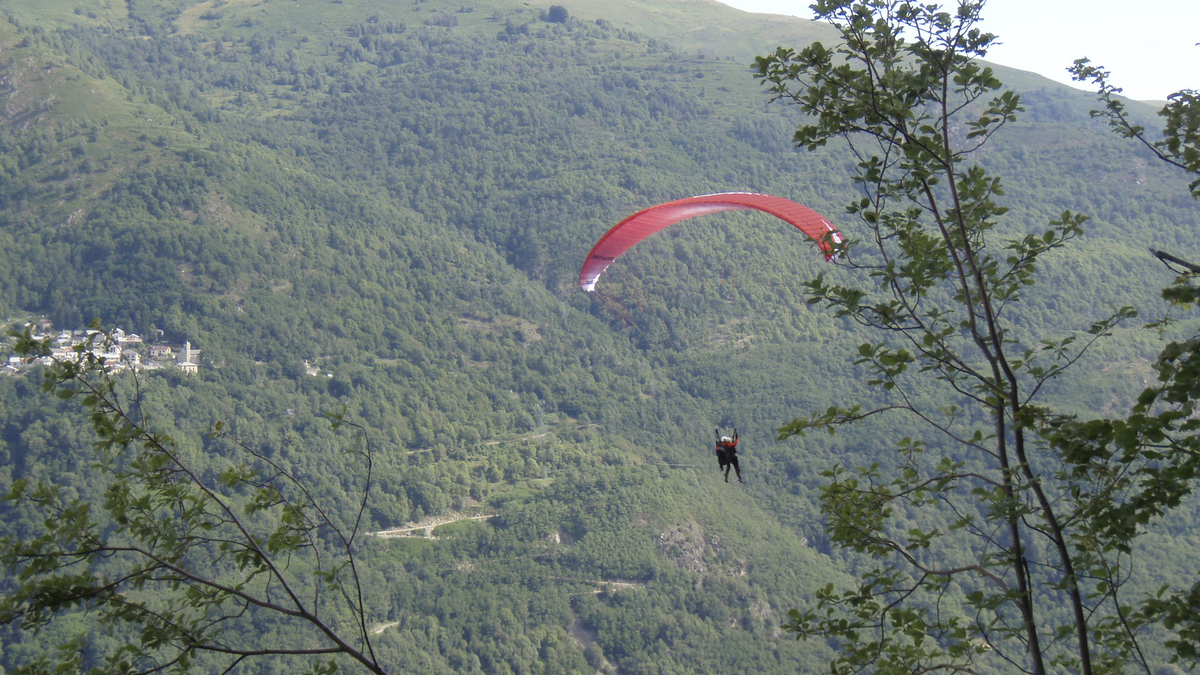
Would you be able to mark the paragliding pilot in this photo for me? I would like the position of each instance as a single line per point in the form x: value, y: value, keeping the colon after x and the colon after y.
x: 727, y: 453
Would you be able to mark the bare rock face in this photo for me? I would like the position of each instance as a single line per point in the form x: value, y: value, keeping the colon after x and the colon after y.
x: 692, y: 548
x: 685, y: 545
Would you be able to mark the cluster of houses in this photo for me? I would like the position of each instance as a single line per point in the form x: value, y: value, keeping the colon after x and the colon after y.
x: 120, y: 350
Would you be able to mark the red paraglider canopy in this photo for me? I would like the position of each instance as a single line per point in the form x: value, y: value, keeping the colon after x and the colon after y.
x: 627, y: 233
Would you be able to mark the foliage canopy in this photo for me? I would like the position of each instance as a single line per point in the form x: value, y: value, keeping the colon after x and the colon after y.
x: 1022, y: 523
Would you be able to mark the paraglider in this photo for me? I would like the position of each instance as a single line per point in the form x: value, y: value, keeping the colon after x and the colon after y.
x: 632, y: 230
x: 726, y: 451
x: 627, y: 233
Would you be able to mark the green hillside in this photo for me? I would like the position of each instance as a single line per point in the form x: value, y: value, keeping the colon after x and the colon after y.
x: 400, y: 194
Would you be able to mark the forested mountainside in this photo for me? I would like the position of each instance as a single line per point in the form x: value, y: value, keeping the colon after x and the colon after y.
x: 400, y: 195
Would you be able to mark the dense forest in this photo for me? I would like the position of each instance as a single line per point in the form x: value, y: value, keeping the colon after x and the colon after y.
x: 401, y: 195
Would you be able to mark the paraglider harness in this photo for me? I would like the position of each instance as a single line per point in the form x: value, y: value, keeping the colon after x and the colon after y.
x: 726, y: 451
